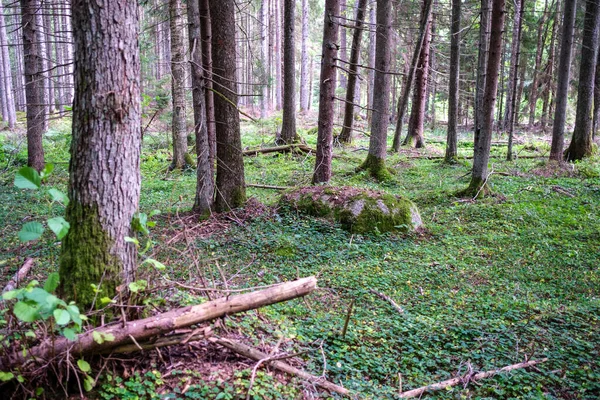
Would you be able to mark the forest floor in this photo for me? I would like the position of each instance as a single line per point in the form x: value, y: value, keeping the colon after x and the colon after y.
x: 487, y: 283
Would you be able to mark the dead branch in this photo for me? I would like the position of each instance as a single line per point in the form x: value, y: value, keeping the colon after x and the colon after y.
x: 19, y: 275
x: 388, y: 299
x: 257, y: 355
x: 256, y: 185
x: 159, y: 324
x: 476, y: 377
x: 280, y: 149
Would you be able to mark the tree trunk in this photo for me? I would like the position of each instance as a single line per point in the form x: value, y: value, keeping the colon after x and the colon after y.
x: 481, y: 153
x: 288, y: 127
x: 371, y: 73
x: 204, y: 177
x: 549, y: 71
x: 181, y: 158
x: 417, y: 113
x: 484, y: 32
x: 343, y: 79
x: 375, y: 162
x: 304, y: 60
x: 264, y: 48
x: 322, y: 172
x: 19, y: 82
x: 211, y: 125
x: 346, y: 134
x: 511, y: 105
x: 40, y: 38
x: 6, y: 77
x: 50, y: 68
x: 596, y: 113
x: 403, y: 102
x: 533, y: 93
x: 581, y: 142
x: 231, y: 189
x: 277, y: 54
x: 104, y: 172
x: 451, y: 140
x: 34, y: 84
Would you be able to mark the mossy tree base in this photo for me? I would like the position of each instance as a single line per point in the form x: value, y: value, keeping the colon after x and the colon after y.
x: 357, y: 210
x: 376, y: 168
x: 477, y: 189
x: 188, y: 162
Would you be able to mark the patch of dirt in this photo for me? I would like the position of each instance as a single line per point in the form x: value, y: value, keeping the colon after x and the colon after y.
x: 555, y: 170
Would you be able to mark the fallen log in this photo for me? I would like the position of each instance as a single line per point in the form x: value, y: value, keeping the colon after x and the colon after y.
x: 141, y: 330
x: 279, y: 149
x: 19, y: 275
x: 257, y: 355
x: 256, y: 185
x: 467, y: 378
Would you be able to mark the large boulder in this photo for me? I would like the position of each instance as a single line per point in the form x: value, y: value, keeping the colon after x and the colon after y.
x: 357, y: 210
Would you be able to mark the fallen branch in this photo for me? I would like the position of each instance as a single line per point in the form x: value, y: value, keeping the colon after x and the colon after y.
x: 192, y: 336
x: 256, y: 185
x: 388, y: 299
x: 257, y: 355
x: 476, y: 377
x: 280, y: 149
x: 158, y: 325
x: 19, y: 275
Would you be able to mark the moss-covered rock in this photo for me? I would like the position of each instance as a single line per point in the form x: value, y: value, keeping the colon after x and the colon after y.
x: 357, y: 210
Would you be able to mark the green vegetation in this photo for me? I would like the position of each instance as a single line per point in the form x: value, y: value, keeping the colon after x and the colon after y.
x: 489, y: 282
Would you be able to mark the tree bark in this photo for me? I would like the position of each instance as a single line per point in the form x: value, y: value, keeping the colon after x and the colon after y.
x: 204, y: 176
x: 417, y: 113
x: 288, y: 126
x: 264, y: 34
x: 104, y: 171
x: 483, y: 138
x: 211, y: 125
x: 371, y: 58
x: 7, y: 87
x: 181, y: 158
x: 533, y: 93
x: 322, y: 172
x: 403, y: 102
x: 511, y: 105
x: 351, y: 98
x: 549, y: 71
x: 231, y: 189
x: 581, y: 142
x: 304, y: 60
x: 342, y: 78
x: 482, y: 62
x: 451, y: 139
x: 34, y: 84
x: 278, y: 56
x: 50, y: 67
x: 375, y: 162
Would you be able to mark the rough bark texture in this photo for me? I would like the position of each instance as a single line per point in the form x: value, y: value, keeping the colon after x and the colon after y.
x: 278, y: 57
x: 371, y: 72
x: 204, y: 176
x: 511, y: 104
x: 231, y: 189
x: 104, y: 175
x: 342, y: 78
x: 264, y: 52
x: 327, y: 82
x: 178, y: 121
x: 34, y: 85
x: 49, y: 67
x: 304, y: 60
x: 288, y: 126
x: 8, y: 99
x: 482, y: 149
x: 451, y: 139
x: 375, y: 162
x: 414, y: 133
x: 346, y: 134
x: 596, y: 113
x: 581, y: 142
x: 533, y: 93
x: 482, y: 62
x: 205, y: 29
x: 403, y: 102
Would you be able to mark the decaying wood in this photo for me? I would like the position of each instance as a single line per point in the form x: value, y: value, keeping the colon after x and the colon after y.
x: 256, y: 185
x: 467, y: 378
x: 144, y: 329
x: 257, y: 355
x: 19, y: 275
x: 301, y: 148
x: 388, y: 299
x: 172, y: 340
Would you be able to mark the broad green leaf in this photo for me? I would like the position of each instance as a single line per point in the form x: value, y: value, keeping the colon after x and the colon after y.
x: 30, y: 334
x: 108, y: 337
x: 157, y: 264
x: 12, y: 294
x: 153, y: 213
x: 69, y: 334
x: 48, y: 168
x: 59, y: 226
x: 97, y: 337
x: 59, y: 196
x: 52, y: 282
x: 61, y: 316
x: 6, y: 376
x: 88, y: 383
x: 31, y: 231
x: 20, y: 378
x: 106, y: 300
x: 26, y: 312
x: 28, y: 178
x: 39, y: 391
x: 74, y: 312
x: 132, y: 240
x: 84, y: 366
x: 38, y: 295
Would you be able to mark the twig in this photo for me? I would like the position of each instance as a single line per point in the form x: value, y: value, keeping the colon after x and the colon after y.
x: 348, y: 315
x: 256, y: 185
x: 456, y: 381
x: 19, y: 275
x: 388, y: 299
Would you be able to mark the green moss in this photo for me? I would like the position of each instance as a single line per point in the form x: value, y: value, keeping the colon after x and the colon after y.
x: 376, y: 168
x: 316, y: 208
x: 477, y: 188
x: 86, y: 258
x: 374, y: 217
